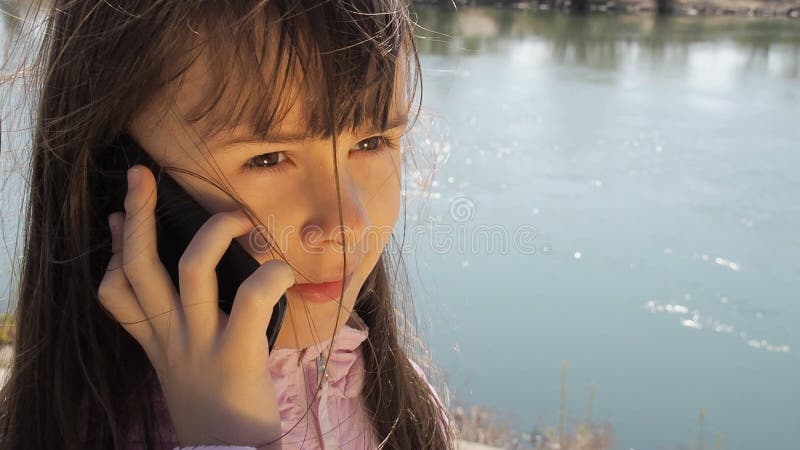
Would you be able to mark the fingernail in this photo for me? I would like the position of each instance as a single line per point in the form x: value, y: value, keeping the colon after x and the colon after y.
x: 133, y: 178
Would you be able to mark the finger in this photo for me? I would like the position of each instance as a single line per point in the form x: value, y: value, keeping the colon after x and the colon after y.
x: 197, y: 271
x: 115, y: 293
x: 143, y: 268
x: 247, y: 325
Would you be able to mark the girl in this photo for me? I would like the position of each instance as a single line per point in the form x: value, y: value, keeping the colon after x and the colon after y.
x: 283, y: 119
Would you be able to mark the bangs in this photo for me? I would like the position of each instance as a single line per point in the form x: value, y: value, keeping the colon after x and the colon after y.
x: 339, y: 66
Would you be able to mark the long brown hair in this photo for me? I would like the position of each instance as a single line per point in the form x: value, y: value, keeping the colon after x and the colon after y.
x: 75, y: 368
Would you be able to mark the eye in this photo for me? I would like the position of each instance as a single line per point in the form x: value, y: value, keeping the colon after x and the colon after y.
x: 273, y: 161
x: 374, y: 144
x: 265, y: 161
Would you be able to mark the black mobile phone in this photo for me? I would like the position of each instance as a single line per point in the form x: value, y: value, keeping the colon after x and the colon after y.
x: 178, y: 218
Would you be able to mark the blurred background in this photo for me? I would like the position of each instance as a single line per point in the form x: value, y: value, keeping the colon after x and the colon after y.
x: 606, y: 254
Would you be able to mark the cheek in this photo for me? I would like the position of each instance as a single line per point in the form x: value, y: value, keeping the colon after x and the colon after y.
x: 380, y: 194
x: 266, y: 200
x: 380, y: 189
x: 277, y: 227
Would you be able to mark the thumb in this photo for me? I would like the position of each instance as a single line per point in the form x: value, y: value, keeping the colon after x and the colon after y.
x: 252, y: 307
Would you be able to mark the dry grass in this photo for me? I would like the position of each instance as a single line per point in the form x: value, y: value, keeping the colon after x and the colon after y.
x: 479, y: 424
x: 8, y: 329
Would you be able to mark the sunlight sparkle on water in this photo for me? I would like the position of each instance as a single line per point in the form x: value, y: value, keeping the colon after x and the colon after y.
x: 699, y: 322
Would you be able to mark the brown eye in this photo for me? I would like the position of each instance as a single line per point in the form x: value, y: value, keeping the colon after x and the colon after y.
x: 371, y: 143
x: 265, y: 161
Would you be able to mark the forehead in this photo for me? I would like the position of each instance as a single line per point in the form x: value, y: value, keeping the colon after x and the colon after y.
x: 285, y: 93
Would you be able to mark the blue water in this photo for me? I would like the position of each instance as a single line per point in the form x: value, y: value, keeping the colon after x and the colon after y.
x: 659, y: 162
x: 638, y: 180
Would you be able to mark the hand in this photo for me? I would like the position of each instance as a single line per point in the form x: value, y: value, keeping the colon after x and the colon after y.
x: 213, y: 368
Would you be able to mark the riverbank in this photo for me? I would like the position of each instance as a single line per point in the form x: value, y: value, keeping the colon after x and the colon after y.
x: 752, y: 8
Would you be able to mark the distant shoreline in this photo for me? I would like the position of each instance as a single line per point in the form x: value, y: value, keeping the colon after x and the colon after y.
x: 745, y: 8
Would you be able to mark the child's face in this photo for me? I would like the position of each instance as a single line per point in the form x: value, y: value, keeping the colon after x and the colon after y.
x: 295, y: 197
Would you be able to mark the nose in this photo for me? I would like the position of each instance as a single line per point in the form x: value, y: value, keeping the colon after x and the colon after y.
x: 322, y: 233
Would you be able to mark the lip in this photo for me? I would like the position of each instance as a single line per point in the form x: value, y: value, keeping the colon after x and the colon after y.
x: 321, y: 292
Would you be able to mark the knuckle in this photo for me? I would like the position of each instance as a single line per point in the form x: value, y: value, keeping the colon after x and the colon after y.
x: 106, y: 294
x: 188, y: 266
x: 103, y: 293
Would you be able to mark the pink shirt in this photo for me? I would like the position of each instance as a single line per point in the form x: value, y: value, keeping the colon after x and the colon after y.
x: 336, y: 418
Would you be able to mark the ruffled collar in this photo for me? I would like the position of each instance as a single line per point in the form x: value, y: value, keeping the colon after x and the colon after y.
x: 343, y: 354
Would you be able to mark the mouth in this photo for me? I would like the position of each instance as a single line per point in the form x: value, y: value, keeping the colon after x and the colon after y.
x: 321, y: 292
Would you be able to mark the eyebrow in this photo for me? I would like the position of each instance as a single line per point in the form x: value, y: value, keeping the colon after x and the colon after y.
x: 293, y: 138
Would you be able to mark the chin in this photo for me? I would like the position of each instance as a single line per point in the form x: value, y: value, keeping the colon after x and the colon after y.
x: 320, y: 315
